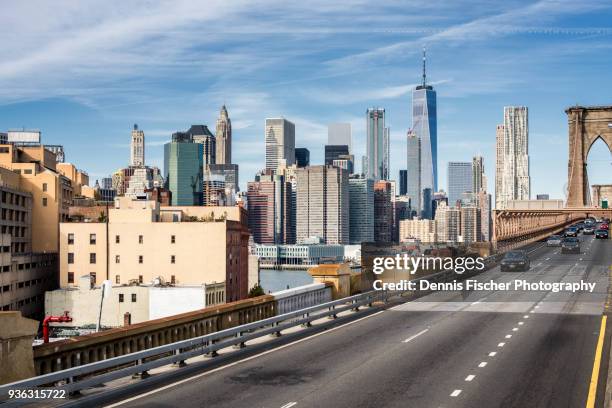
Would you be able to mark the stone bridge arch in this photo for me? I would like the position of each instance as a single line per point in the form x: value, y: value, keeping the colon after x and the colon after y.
x: 586, y: 125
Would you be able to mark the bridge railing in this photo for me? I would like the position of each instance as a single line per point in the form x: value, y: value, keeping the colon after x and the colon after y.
x: 92, y: 374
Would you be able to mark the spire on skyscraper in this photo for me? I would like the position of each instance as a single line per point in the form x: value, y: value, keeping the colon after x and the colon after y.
x: 424, y: 60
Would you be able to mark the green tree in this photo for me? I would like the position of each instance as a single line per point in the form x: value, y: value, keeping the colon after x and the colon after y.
x: 256, y: 290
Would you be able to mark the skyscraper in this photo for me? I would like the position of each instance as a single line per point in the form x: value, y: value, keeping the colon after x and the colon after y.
x: 280, y: 143
x: 478, y: 176
x: 340, y: 134
x: 413, y: 178
x: 223, y: 136
x: 183, y: 169
x: 499, y: 163
x: 448, y: 223
x: 470, y: 224
x: 333, y: 152
x: 425, y: 125
x: 403, y: 181
x: 514, y: 181
x: 383, y: 212
x: 270, y: 215
x: 322, y: 204
x: 377, y: 145
x: 137, y: 148
x: 361, y: 209
x: 202, y: 135
x: 302, y: 157
x: 459, y: 179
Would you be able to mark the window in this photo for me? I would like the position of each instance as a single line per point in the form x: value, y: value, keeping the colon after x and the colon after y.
x: 92, y: 276
x: 139, y: 278
x: 133, y: 297
x: 70, y: 239
x: 117, y: 259
x: 92, y: 239
x: 173, y: 239
x: 172, y: 259
x: 44, y: 201
x: 27, y: 171
x: 70, y: 257
x: 140, y: 259
x: 92, y: 258
x: 117, y: 279
x: 173, y: 279
x: 44, y: 187
x: 121, y: 298
x: 140, y: 239
x: 70, y: 277
x: 117, y: 239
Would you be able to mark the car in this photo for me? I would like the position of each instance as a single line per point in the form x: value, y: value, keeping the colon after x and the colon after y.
x: 604, y: 227
x: 554, y: 241
x: 601, y: 234
x: 571, y: 232
x: 579, y: 226
x: 570, y: 244
x: 588, y: 230
x: 515, y: 261
x: 590, y: 221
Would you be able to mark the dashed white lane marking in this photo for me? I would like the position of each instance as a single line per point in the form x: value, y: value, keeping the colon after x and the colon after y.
x: 484, y: 363
x: 501, y: 344
x: 415, y: 336
x: 526, y: 317
x: 548, y: 259
x: 515, y: 329
x: 470, y: 377
x: 536, y: 306
x: 289, y: 404
x: 521, y: 323
x: 455, y: 393
x: 533, y: 311
x: 492, y: 354
x: 508, y: 336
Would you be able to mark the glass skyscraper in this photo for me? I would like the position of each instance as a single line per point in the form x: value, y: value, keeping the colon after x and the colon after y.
x: 413, y: 176
x: 459, y: 181
x: 425, y: 125
x: 183, y: 161
x: 377, y: 145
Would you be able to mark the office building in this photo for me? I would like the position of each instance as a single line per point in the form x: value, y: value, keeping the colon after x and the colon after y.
x: 271, y: 219
x: 322, y: 204
x: 514, y: 180
x: 137, y: 147
x: 383, y: 212
x: 427, y: 204
x: 202, y: 135
x: 298, y: 255
x: 421, y: 230
x: 424, y: 125
x: 3, y: 138
x: 223, y: 138
x: 345, y: 161
x: 214, y: 191
x: 403, y: 182
x: 183, y: 168
x: 448, y: 223
x: 302, y: 157
x: 340, y: 134
x: 361, y: 209
x: 280, y: 143
x: 144, y: 242
x: 478, y: 175
x: 24, y: 275
x: 333, y: 152
x: 459, y: 179
x: 377, y: 145
x: 486, y: 223
x: 470, y: 224
x: 413, y: 170
x: 402, y: 210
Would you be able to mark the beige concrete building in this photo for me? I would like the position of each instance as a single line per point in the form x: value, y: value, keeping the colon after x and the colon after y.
x: 601, y: 195
x: 78, y: 178
x: 129, y: 303
x: 143, y: 242
x: 24, y: 276
x: 422, y: 230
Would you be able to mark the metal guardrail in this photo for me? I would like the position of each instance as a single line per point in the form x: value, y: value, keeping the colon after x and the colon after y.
x: 97, y: 373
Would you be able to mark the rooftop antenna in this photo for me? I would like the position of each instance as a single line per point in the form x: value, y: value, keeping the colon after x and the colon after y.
x: 424, y: 59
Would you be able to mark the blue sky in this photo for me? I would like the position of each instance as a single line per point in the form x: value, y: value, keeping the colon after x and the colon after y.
x: 84, y: 72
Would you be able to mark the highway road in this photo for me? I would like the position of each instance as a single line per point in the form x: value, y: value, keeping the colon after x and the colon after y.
x: 447, y: 349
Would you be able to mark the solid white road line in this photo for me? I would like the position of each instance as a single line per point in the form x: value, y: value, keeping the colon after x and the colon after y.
x: 483, y: 364
x: 455, y: 393
x: 470, y: 377
x: 165, y: 387
x: 415, y: 336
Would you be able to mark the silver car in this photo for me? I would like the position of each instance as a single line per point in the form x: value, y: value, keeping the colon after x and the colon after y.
x: 554, y: 241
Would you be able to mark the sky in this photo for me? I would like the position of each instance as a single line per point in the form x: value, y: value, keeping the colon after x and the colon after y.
x: 85, y: 72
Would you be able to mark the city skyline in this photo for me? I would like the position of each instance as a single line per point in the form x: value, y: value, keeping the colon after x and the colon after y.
x: 73, y: 107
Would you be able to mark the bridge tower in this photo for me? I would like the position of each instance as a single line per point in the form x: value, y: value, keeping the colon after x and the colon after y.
x: 586, y: 125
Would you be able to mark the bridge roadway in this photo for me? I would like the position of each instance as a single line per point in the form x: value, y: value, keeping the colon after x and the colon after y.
x: 447, y: 349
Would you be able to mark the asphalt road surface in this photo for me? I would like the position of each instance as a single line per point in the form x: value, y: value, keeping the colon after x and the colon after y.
x: 447, y: 349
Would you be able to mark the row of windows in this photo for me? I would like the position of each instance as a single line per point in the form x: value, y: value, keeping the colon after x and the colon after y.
x: 92, y: 258
x: 13, y: 215
x: 92, y: 276
x: 121, y: 298
x: 92, y: 239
